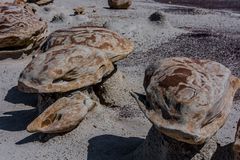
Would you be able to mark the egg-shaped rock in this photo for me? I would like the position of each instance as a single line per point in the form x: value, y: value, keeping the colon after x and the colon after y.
x: 189, y: 100
x: 119, y: 4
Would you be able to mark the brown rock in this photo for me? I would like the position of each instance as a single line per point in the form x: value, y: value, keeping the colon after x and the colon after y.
x: 20, y: 1
x: 189, y: 100
x: 79, y: 10
x: 65, y: 68
x: 119, y: 4
x: 43, y: 2
x: 64, y: 115
x: 115, y: 46
x: 21, y: 30
x: 38, y: 2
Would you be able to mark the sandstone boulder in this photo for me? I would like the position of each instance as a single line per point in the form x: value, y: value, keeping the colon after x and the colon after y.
x: 119, y: 4
x: 115, y: 46
x: 38, y: 2
x: 64, y: 115
x: 43, y: 2
x: 188, y: 100
x: 20, y: 1
x: 20, y: 30
x: 65, y: 68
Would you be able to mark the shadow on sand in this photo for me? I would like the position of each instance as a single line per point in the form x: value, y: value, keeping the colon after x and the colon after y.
x: 223, y: 153
x: 16, y: 97
x: 109, y: 147
x: 18, y: 120
x: 38, y: 137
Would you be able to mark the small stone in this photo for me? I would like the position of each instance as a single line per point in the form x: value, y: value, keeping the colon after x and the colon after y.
x: 79, y: 10
x: 38, y: 2
x: 58, y: 18
x: 156, y: 16
x: 119, y: 4
x: 20, y: 1
x: 43, y: 2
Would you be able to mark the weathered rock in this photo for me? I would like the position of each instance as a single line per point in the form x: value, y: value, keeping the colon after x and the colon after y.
x: 20, y: 1
x: 38, y: 2
x: 47, y: 99
x: 65, y: 68
x: 189, y: 100
x: 112, y: 91
x: 21, y: 30
x: 58, y: 18
x: 115, y: 46
x: 79, y: 10
x: 43, y: 2
x: 64, y: 115
x: 119, y: 4
x: 236, y: 146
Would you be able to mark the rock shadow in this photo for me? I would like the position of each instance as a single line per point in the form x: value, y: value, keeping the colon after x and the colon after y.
x: 28, y: 139
x: 17, y: 120
x: 16, y: 97
x: 38, y: 137
x: 109, y: 147
x: 223, y: 153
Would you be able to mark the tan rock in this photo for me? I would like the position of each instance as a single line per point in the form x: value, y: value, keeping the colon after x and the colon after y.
x: 79, y: 10
x: 43, y: 2
x: 21, y: 30
x: 38, y: 2
x: 20, y: 1
x: 115, y: 46
x: 65, y: 68
x: 64, y: 115
x: 189, y: 100
x: 119, y: 4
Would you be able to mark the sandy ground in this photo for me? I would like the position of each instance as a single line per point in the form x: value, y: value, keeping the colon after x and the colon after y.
x: 109, y: 133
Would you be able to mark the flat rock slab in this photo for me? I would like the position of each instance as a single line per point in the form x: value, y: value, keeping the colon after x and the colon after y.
x: 65, y: 68
x: 116, y: 46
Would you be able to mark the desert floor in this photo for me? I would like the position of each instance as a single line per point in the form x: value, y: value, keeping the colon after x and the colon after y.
x: 109, y: 133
